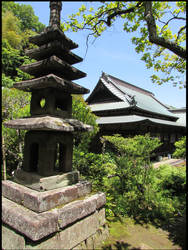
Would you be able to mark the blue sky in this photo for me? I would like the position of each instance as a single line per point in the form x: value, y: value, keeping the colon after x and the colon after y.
x: 112, y: 53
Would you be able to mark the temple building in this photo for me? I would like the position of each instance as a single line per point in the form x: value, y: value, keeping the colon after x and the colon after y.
x: 123, y: 108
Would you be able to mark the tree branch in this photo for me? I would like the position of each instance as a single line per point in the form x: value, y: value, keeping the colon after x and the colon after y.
x: 179, y: 32
x: 121, y: 12
x: 173, y: 18
x: 154, y: 38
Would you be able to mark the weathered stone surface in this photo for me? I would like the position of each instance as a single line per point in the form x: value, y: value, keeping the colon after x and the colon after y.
x: 79, y: 220
x: 48, y: 123
x: 51, y: 81
x: 40, y: 183
x: 35, y: 226
x: 84, y: 187
x: 79, y: 235
x: 51, y: 34
x: 101, y: 216
x: 79, y: 209
x: 80, y: 231
x: 53, y: 48
x: 53, y: 65
x: 90, y: 243
x: 100, y: 236
x: 96, y: 240
x: 55, y: 11
x: 13, y: 191
x: 101, y: 199
x: 43, y: 201
x: 47, y: 154
x: 11, y: 239
x: 75, y: 211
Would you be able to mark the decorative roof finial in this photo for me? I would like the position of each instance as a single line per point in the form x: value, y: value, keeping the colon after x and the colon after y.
x: 55, y: 9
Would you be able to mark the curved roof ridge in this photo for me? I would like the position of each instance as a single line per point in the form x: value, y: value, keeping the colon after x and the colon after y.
x: 114, y: 89
x: 131, y: 86
x: 122, y: 95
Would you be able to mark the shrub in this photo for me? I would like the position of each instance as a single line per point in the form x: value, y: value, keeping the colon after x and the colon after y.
x: 180, y: 151
x: 132, y: 186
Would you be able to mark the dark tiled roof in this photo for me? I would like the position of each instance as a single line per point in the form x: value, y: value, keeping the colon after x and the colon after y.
x: 130, y: 95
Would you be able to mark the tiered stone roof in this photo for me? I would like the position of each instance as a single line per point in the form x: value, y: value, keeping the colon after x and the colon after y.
x: 53, y: 70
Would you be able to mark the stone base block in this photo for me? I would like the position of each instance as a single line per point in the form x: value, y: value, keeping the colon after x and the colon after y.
x: 96, y: 240
x: 85, y: 234
x: 41, y: 183
x: 12, y: 239
x: 78, y: 225
x: 36, y: 226
x: 44, y: 201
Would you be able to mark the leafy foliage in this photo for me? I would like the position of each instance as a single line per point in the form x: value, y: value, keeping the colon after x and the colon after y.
x: 25, y: 14
x: 15, y: 104
x: 180, y: 151
x: 133, y: 177
x: 11, y: 60
x: 18, y: 24
x: 83, y: 113
x: 153, y: 32
x: 133, y: 187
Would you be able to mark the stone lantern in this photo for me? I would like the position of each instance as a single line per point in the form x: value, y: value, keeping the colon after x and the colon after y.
x: 48, y: 143
x: 46, y: 205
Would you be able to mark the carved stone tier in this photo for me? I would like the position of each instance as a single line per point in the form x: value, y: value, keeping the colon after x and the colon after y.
x: 52, y: 33
x: 56, y: 48
x: 41, y: 183
x: 51, y: 81
x: 53, y: 65
x: 46, y: 200
x: 48, y: 123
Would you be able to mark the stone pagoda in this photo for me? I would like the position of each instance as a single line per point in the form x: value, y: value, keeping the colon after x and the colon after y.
x: 42, y: 200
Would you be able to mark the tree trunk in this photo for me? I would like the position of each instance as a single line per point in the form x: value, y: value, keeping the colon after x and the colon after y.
x: 4, y: 160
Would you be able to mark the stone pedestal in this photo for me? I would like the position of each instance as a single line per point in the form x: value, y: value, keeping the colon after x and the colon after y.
x: 41, y: 183
x: 62, y: 218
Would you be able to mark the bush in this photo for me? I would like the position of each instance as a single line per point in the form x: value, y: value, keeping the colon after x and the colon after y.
x: 82, y: 112
x: 180, y: 151
x: 92, y: 166
x: 170, y: 183
x: 15, y: 104
x: 133, y: 187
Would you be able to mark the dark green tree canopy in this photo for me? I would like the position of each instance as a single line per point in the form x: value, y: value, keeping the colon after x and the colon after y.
x: 18, y: 24
x: 25, y: 13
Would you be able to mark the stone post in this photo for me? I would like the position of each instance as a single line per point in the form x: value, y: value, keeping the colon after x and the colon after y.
x: 55, y: 9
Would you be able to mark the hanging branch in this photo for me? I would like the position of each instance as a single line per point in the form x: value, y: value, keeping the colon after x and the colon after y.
x: 154, y: 38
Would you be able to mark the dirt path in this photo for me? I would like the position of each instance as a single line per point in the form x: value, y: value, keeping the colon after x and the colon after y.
x: 172, y: 162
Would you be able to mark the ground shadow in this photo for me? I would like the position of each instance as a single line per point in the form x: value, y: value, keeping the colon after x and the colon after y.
x: 176, y: 228
x: 120, y: 245
x: 177, y: 231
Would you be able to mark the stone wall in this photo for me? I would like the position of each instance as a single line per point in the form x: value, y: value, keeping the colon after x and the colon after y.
x: 87, y: 233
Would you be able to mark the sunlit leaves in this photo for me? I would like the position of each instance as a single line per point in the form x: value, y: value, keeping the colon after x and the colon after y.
x: 83, y: 113
x: 166, y: 14
x: 180, y: 151
x: 11, y: 30
x: 18, y: 24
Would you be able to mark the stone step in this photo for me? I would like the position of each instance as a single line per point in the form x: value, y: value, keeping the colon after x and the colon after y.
x: 44, y: 201
x: 39, y: 225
